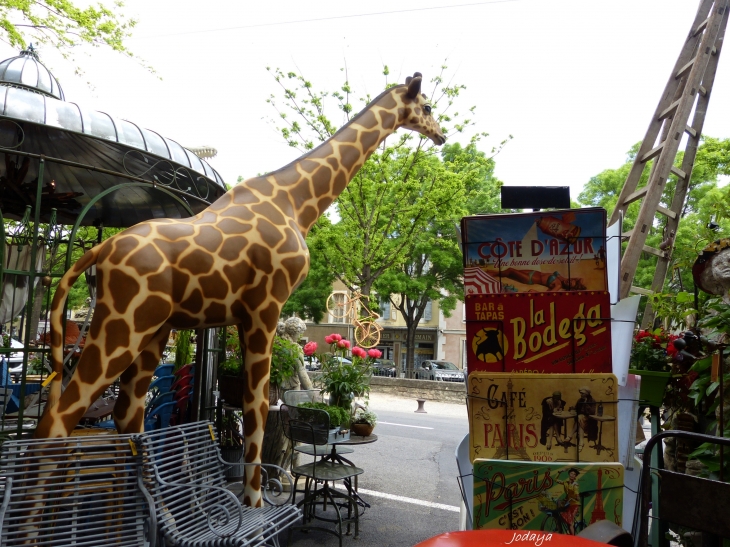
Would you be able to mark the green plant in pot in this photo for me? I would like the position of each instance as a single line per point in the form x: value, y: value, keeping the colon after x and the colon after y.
x: 651, y: 358
x: 344, y: 379
x: 339, y: 417
x: 284, y: 363
x: 363, y: 421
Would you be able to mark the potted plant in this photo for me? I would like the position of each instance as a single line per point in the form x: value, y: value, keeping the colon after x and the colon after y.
x: 363, y: 422
x: 284, y: 363
x: 339, y: 419
x: 342, y: 378
x: 231, y: 443
x: 651, y: 356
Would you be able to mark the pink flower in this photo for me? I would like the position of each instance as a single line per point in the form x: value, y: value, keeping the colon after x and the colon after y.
x: 310, y: 348
x: 374, y: 353
x: 343, y: 344
x: 329, y: 339
x: 359, y: 352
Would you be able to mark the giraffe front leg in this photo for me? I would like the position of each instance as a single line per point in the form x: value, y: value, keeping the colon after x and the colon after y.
x: 256, y: 362
x: 134, y: 383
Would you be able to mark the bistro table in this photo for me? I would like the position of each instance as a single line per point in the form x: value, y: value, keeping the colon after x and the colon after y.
x: 514, y: 538
x: 600, y: 419
x: 335, y: 451
x: 565, y: 415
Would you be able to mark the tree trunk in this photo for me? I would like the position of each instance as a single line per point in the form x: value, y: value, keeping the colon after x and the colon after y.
x: 275, y: 448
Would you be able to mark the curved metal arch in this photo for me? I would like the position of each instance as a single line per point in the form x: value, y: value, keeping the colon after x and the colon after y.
x: 96, y: 198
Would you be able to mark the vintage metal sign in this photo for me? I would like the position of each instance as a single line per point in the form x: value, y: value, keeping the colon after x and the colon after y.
x: 535, y: 252
x: 539, y: 332
x: 552, y: 497
x: 543, y: 417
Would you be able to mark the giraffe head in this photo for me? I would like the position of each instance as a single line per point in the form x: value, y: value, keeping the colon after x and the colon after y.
x: 417, y: 115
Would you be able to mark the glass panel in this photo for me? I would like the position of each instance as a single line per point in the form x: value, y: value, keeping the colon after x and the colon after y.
x: 155, y: 144
x: 29, y: 75
x: 14, y: 70
x: 62, y: 114
x: 339, y: 299
x: 195, y: 162
x: 101, y: 126
x: 25, y: 105
x: 130, y: 134
x: 44, y: 80
x: 178, y: 154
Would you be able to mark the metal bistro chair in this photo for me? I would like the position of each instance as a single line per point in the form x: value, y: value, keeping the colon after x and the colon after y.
x: 312, y: 427
x: 684, y: 500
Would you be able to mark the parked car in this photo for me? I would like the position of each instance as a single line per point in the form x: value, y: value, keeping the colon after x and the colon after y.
x: 440, y: 371
x: 312, y: 363
x: 384, y: 367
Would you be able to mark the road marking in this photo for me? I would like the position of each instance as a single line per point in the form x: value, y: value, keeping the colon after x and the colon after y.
x: 403, y: 499
x: 404, y: 425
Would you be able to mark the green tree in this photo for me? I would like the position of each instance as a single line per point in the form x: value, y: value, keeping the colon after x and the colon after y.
x: 64, y: 26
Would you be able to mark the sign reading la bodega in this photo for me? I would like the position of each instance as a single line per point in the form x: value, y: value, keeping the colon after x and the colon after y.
x: 539, y: 332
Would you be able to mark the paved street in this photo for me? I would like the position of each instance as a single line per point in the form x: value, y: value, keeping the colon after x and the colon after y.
x: 410, y: 475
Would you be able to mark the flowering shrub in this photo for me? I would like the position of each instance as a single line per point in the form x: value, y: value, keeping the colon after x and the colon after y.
x: 343, y: 380
x: 653, y: 350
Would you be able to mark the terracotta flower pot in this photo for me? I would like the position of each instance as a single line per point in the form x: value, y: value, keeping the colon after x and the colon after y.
x: 362, y: 430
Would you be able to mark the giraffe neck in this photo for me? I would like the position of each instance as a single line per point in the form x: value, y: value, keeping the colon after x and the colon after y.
x: 310, y: 184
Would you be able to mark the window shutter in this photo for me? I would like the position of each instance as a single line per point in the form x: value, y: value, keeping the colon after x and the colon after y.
x: 385, y: 308
x: 427, y: 311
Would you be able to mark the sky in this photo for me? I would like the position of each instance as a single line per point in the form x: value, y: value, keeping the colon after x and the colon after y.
x: 574, y: 82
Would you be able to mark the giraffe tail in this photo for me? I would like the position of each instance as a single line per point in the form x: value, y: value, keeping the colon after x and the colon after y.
x: 57, y: 324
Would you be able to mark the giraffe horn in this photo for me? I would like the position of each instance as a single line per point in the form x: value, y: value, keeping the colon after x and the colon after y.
x: 414, y: 85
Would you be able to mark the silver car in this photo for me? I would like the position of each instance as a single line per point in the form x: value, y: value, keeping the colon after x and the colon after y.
x: 440, y: 371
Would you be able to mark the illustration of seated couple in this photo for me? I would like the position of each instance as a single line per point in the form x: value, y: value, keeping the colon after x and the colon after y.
x: 584, y: 427
x: 553, y: 281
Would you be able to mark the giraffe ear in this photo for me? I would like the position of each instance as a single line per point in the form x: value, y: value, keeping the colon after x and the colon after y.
x: 414, y: 85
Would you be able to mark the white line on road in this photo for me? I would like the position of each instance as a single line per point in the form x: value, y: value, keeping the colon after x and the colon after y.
x: 404, y: 425
x: 423, y: 503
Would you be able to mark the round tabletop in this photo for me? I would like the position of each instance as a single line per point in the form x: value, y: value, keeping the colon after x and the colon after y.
x: 565, y: 414
x: 515, y: 538
x: 357, y: 439
x: 603, y: 418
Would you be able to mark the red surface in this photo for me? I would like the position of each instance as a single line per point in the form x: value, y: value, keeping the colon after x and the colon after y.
x: 514, y: 538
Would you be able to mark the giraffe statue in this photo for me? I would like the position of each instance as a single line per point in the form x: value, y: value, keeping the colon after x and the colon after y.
x: 235, y: 263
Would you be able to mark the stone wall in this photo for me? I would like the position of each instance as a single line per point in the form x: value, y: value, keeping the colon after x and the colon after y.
x: 447, y: 392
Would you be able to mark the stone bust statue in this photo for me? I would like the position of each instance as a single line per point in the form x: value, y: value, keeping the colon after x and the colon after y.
x: 711, y: 270
x: 292, y: 329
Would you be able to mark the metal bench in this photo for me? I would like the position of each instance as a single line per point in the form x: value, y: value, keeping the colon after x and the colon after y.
x: 183, y: 473
x: 72, y: 491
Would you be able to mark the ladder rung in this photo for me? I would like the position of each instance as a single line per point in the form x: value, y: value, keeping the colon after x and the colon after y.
x: 653, y: 251
x: 702, y: 26
x: 670, y: 110
x: 633, y: 197
x: 639, y: 290
x: 666, y: 212
x: 652, y: 153
x: 682, y: 71
x: 677, y: 171
x: 703, y: 91
x: 691, y: 131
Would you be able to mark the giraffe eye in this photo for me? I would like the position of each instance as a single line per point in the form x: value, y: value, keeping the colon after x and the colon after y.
x: 427, y: 109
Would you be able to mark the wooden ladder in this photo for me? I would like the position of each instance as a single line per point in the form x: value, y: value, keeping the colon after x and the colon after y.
x: 688, y: 90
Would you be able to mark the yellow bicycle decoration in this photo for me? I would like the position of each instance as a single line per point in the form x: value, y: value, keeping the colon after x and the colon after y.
x: 355, y: 311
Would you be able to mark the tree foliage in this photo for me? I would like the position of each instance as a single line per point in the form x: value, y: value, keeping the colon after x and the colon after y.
x: 64, y: 26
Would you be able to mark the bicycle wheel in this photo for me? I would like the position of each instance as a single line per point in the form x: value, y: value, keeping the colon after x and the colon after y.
x: 367, y: 334
x: 337, y: 306
x: 550, y: 524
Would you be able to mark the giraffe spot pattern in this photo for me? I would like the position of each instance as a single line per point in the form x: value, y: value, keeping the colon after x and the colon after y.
x: 290, y: 243
x: 74, y: 393
x: 294, y: 266
x: 231, y: 226
x: 122, y: 249
x: 197, y: 262
x: 152, y: 312
x: 260, y: 257
x: 260, y: 185
x: 145, y: 261
x: 215, y: 313
x: 370, y: 139
x: 302, y: 193
x: 349, y: 156
x: 269, y: 233
x: 232, y: 248
x: 308, y: 215
x: 208, y: 238
x: 117, y: 365
x: 194, y: 302
x: 206, y: 218
x: 117, y: 335
x: 387, y: 119
x: 283, y: 203
x: 367, y: 120
x: 125, y: 289
x: 322, y: 181
x: 173, y: 232
x: 214, y: 286
x: 239, y: 275
x: 267, y: 210
x: 141, y: 230
x: 308, y: 166
x: 254, y: 296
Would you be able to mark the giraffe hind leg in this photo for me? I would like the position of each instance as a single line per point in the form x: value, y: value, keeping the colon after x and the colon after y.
x: 134, y: 383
